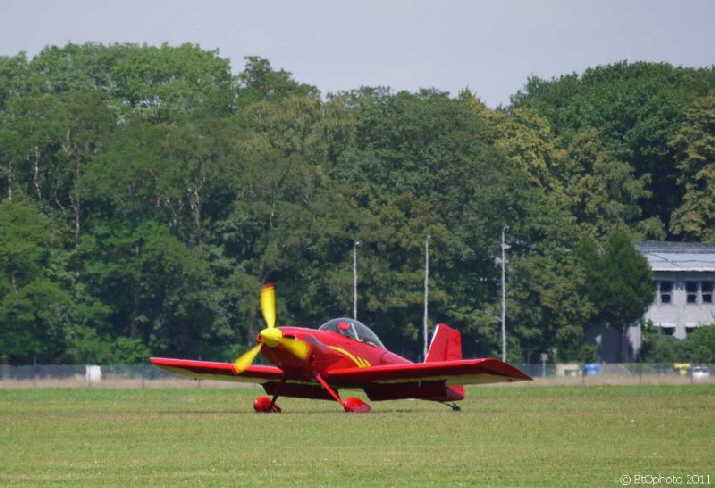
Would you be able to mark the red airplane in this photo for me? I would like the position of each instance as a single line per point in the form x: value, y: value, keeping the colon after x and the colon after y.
x: 345, y: 354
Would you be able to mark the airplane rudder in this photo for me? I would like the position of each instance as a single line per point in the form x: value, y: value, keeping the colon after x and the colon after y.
x: 446, y: 344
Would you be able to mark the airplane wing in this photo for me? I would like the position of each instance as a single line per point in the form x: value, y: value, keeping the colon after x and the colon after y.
x: 205, y: 370
x: 434, y: 380
x: 430, y: 381
x: 460, y: 372
x: 269, y: 377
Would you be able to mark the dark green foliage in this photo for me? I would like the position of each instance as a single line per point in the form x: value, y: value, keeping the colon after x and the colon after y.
x: 259, y: 81
x: 619, y: 282
x: 701, y: 344
x: 637, y: 108
x: 698, y: 348
x: 619, y: 279
x: 694, y: 144
x: 661, y: 348
x: 149, y: 192
x: 35, y: 311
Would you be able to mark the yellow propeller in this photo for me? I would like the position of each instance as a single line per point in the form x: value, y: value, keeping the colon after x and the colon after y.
x: 268, y: 304
x: 271, y: 336
x: 246, y: 359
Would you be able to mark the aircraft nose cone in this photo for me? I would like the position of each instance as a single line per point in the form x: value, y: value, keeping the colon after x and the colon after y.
x: 271, y: 337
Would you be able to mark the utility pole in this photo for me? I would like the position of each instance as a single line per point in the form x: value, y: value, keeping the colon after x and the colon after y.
x: 425, y: 324
x: 355, y: 279
x: 503, y: 293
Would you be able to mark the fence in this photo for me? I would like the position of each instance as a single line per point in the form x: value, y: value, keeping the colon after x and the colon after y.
x: 147, y: 376
x: 626, y: 373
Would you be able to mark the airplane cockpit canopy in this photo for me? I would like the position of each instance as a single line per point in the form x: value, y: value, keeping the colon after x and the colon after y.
x: 352, y: 329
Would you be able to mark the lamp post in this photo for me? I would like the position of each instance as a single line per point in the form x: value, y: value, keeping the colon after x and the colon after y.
x: 503, y: 293
x: 425, y: 324
x: 355, y: 245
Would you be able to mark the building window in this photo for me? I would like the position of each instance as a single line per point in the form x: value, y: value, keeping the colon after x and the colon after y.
x: 665, y: 292
x: 707, y: 291
x: 699, y: 292
x: 691, y: 292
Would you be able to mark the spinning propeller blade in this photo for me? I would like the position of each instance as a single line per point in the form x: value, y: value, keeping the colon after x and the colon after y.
x: 271, y: 336
x: 247, y: 358
x: 297, y: 347
x: 268, y: 304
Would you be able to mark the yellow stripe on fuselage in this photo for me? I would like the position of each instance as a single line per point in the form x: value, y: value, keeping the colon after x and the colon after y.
x: 359, y: 362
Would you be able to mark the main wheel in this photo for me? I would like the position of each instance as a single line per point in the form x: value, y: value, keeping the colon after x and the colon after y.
x: 263, y: 405
x: 356, y: 405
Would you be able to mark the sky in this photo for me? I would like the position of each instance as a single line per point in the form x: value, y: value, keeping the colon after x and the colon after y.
x: 491, y: 47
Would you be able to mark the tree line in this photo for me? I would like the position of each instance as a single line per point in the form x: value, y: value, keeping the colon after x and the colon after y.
x: 147, y: 192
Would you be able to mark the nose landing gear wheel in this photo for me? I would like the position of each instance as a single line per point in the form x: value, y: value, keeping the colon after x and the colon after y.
x: 265, y: 405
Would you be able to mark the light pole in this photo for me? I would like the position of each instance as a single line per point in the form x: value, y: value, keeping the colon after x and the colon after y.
x: 424, y: 319
x: 503, y: 293
x: 355, y: 245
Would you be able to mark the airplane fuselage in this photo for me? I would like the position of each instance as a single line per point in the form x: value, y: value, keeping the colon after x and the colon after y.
x: 328, y: 350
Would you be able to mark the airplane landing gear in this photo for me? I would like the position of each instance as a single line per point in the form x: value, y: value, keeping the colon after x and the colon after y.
x: 454, y: 406
x: 355, y: 405
x: 265, y: 405
x: 351, y: 405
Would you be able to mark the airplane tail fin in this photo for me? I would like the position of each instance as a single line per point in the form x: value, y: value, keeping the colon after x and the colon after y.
x: 446, y: 345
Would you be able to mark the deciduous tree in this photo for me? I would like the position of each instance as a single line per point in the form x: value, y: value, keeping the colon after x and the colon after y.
x: 695, y: 149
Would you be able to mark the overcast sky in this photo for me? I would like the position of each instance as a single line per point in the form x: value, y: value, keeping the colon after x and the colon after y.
x: 492, y: 46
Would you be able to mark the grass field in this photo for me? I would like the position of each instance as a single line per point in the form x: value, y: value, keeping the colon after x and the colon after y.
x: 505, y: 436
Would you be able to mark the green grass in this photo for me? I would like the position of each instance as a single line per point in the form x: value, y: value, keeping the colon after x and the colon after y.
x: 513, y: 436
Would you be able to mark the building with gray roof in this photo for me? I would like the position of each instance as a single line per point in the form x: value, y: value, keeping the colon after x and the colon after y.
x: 684, y: 280
x: 683, y: 298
